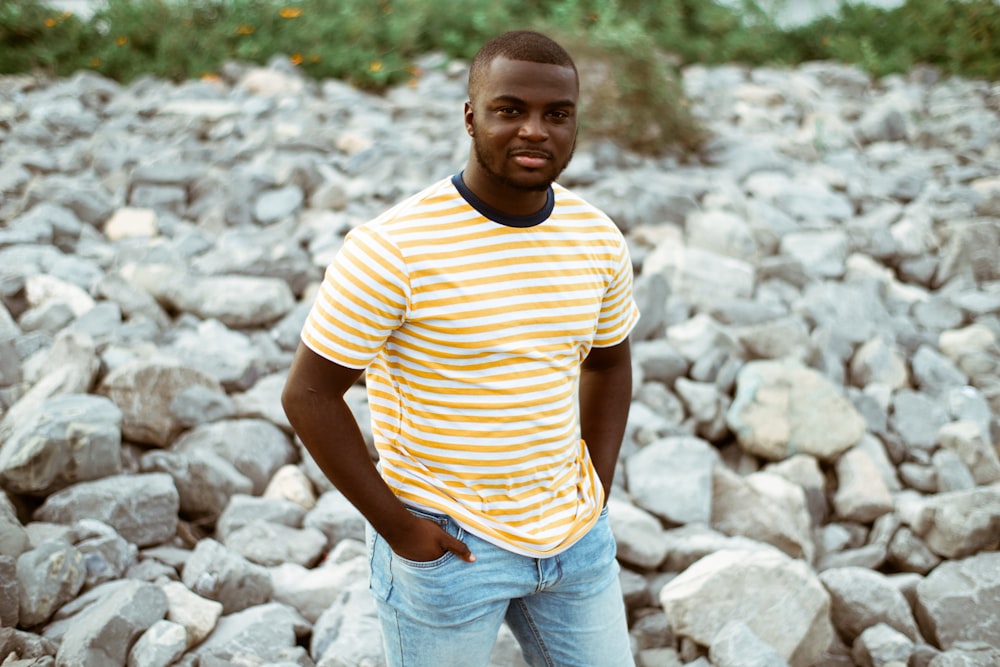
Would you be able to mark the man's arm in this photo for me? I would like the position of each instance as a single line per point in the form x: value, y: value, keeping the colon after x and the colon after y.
x: 605, y: 396
x: 313, y: 399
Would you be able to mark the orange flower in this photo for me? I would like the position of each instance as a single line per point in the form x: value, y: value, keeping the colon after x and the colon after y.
x: 95, y: 62
x: 290, y: 12
x: 375, y: 66
x: 121, y: 41
x: 296, y: 58
x: 244, y: 29
x: 50, y: 22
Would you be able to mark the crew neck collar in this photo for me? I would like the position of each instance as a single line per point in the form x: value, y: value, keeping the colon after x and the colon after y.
x: 506, y: 219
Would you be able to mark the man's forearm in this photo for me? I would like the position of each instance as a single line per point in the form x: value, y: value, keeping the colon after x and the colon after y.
x: 329, y: 431
x: 605, y: 397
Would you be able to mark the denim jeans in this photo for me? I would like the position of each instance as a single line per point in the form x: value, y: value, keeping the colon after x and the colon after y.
x: 565, y: 611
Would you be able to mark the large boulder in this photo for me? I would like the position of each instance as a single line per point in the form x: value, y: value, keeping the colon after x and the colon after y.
x: 141, y: 508
x: 959, y: 601
x: 783, y: 408
x: 779, y: 598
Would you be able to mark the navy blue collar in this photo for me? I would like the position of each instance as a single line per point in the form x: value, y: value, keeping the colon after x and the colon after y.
x: 493, y: 214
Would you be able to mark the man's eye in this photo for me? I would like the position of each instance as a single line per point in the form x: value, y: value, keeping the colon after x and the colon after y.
x: 508, y: 111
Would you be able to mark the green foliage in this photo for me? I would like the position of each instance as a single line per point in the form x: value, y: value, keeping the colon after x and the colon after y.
x: 960, y: 38
x: 631, y: 48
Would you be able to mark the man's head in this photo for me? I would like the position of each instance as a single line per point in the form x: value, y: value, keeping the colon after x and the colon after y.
x: 521, y: 115
x: 524, y: 45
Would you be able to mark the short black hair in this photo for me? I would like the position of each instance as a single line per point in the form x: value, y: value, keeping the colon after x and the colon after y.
x: 525, y: 45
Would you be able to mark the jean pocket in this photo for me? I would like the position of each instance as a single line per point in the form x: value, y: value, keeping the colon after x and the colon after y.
x: 448, y: 525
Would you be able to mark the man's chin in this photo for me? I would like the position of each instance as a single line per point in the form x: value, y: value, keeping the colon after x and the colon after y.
x: 530, y: 182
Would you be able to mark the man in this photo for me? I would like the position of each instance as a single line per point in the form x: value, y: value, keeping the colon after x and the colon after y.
x: 491, y: 315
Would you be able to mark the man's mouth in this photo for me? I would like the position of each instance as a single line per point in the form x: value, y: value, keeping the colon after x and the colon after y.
x: 531, y: 159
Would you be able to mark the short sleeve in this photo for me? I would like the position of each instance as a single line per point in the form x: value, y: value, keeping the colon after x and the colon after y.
x: 619, y: 312
x: 362, y: 300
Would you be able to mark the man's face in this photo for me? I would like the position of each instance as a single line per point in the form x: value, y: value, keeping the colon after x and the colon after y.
x: 522, y: 119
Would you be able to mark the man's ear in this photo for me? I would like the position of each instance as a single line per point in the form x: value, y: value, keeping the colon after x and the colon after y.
x: 469, y: 121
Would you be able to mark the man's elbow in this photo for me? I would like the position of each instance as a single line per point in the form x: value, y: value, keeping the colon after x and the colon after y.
x: 291, y: 397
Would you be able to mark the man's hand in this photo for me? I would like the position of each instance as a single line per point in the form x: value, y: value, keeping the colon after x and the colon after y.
x: 424, y: 541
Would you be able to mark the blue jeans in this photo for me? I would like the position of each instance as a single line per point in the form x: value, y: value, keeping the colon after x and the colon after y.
x: 565, y: 611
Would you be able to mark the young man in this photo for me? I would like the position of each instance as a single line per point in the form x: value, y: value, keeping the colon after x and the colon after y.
x: 491, y: 314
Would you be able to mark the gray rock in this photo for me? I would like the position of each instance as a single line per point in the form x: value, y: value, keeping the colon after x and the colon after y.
x: 70, y: 438
x: 220, y: 574
x: 782, y: 408
x: 973, y: 656
x: 348, y: 631
x: 106, y: 554
x: 672, y: 478
x: 854, y: 312
x: 70, y: 367
x: 861, y: 598
x: 764, y: 507
x: 688, y: 544
x: 10, y: 593
x: 747, y: 586
x: 204, y: 480
x: 961, y: 523
x: 736, y: 645
x: 256, y: 448
x: 970, y: 443
x: 141, y: 508
x: 950, y: 472
x: 228, y: 356
x: 240, y: 302
x: 804, y: 471
x: 881, y: 645
x: 934, y: 373
x: 271, y: 544
x: 264, y: 632
x: 336, y: 517
x: 312, y: 591
x: 908, y: 553
x: 159, y: 646
x: 145, y: 390
x: 917, y: 417
x: 862, y: 494
x: 699, y: 276
x: 958, y: 602
x: 638, y: 534
x: 197, y: 615
x: 263, y: 401
x: 14, y: 539
x: 133, y: 300
x: 104, y: 632
x: 29, y: 647
x: 48, y: 576
x: 264, y: 253
x: 244, y: 509
x: 822, y: 252
x: 781, y: 337
x: 878, y: 361
x: 650, y: 292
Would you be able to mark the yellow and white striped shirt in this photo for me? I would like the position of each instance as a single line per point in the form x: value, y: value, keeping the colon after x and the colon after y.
x: 472, y: 330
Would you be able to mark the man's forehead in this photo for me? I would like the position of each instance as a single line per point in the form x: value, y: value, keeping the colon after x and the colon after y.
x: 508, y: 77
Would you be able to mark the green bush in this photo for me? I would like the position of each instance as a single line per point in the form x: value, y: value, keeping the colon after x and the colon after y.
x: 631, y: 48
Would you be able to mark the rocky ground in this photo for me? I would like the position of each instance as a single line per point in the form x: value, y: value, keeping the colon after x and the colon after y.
x: 810, y: 474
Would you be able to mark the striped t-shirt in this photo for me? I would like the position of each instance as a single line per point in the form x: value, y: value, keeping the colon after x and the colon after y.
x: 472, y: 327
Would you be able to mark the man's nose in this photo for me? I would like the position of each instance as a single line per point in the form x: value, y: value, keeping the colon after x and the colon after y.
x: 533, y: 128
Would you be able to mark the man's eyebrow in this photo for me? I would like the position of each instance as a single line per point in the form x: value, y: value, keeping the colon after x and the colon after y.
x: 514, y: 99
